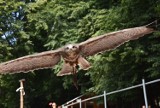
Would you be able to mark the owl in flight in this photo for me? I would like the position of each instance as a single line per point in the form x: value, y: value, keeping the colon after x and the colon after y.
x: 74, y: 54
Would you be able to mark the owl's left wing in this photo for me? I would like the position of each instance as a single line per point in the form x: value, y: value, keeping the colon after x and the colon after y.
x: 32, y: 62
x: 112, y: 40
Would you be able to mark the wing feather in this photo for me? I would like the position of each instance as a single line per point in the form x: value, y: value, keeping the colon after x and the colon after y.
x: 45, y: 59
x: 112, y: 40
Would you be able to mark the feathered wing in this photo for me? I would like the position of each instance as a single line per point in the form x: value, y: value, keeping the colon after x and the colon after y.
x: 112, y: 40
x: 32, y: 62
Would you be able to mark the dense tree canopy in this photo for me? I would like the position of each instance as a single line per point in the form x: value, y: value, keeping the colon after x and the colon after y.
x: 31, y: 26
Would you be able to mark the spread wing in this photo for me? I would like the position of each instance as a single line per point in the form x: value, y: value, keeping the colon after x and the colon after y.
x: 112, y: 40
x: 32, y: 62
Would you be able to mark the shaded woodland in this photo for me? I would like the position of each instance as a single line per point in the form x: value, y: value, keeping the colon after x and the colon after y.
x: 32, y: 26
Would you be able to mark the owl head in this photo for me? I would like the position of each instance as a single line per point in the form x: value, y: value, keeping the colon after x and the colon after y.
x: 71, y: 48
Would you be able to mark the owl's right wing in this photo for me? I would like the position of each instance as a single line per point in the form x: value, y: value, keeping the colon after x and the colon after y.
x: 110, y: 41
x: 28, y: 63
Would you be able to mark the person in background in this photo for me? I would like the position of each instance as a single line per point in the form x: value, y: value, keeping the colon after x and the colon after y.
x: 52, y: 104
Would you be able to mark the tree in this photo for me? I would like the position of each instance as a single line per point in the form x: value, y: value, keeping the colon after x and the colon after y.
x: 30, y: 26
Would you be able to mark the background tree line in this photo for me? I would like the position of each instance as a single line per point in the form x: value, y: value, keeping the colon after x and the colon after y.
x: 32, y: 26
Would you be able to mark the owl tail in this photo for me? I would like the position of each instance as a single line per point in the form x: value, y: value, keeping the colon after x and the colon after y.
x: 83, y: 63
x: 67, y: 69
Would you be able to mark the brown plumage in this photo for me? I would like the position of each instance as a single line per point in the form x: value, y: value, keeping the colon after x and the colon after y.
x: 74, y: 54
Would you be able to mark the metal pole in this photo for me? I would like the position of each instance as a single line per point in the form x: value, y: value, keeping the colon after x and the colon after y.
x: 80, y: 103
x: 113, y: 92
x: 63, y: 106
x: 105, y: 100
x: 144, y: 92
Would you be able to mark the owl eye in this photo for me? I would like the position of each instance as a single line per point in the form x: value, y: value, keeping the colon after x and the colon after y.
x: 74, y: 47
x: 66, y: 48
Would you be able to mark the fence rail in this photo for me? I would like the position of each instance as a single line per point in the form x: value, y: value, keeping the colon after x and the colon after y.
x: 79, y: 101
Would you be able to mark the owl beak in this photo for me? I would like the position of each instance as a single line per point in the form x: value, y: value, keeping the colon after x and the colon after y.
x: 71, y: 49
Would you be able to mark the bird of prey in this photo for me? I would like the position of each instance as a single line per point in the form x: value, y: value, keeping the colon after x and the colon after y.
x: 74, y: 55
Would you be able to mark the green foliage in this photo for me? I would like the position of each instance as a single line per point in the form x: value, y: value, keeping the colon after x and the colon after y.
x: 30, y: 26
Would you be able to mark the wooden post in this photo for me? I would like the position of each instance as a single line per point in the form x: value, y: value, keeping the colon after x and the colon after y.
x: 21, y: 89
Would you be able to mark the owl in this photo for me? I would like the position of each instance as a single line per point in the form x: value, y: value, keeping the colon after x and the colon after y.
x: 74, y: 55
